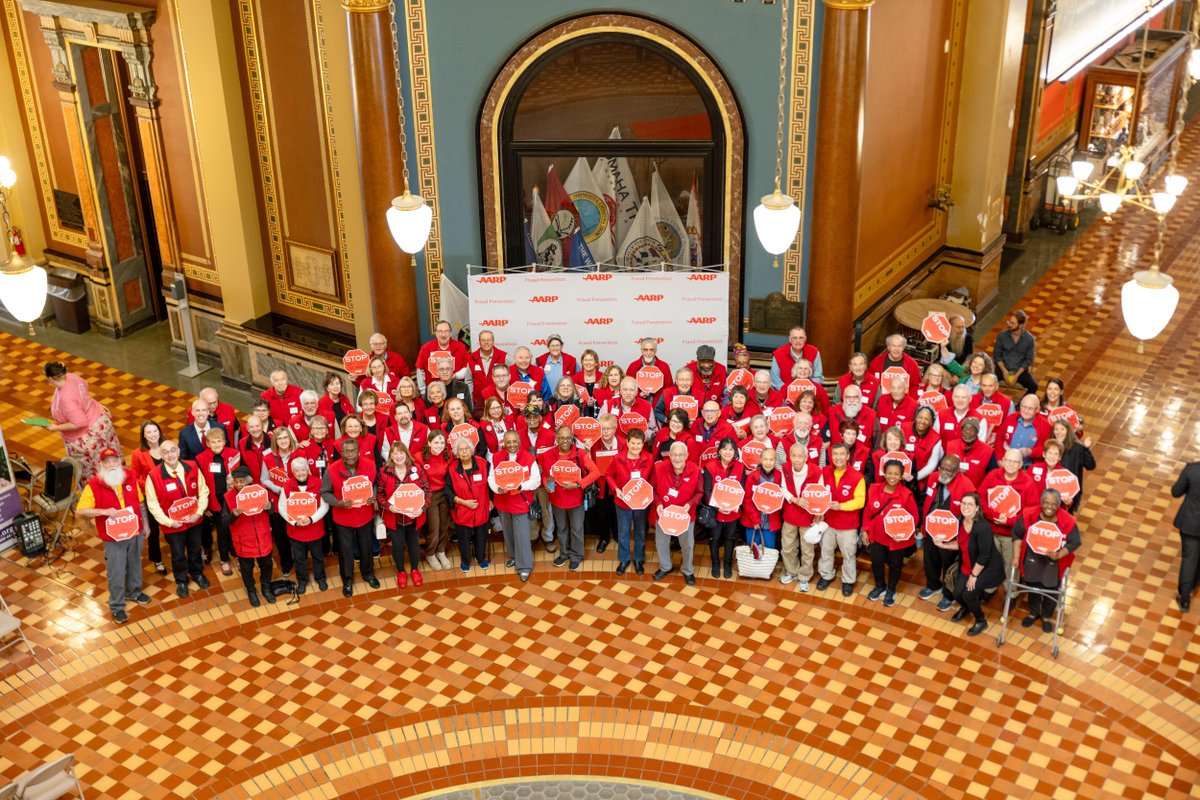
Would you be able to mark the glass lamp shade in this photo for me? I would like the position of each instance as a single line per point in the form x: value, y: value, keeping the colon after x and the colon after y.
x: 8, y: 177
x: 1110, y: 202
x: 1134, y: 170
x: 1194, y: 65
x: 23, y: 291
x: 409, y: 220
x: 1147, y: 308
x: 1066, y: 185
x: 1082, y: 170
x: 1176, y: 184
x: 1163, y: 201
x: 776, y: 221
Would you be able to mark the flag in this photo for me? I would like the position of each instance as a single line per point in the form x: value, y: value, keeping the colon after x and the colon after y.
x: 604, y: 179
x: 695, y: 257
x: 625, y: 192
x: 670, y: 227
x: 642, y: 247
x: 453, y: 307
x: 547, y: 246
x: 581, y: 255
x: 530, y: 256
x: 563, y: 217
x: 594, y: 220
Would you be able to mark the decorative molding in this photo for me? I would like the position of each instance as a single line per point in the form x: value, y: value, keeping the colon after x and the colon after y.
x: 426, y: 147
x: 849, y: 5
x: 796, y: 176
x: 364, y: 6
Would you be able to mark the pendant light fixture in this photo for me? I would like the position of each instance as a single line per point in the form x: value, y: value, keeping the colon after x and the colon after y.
x: 22, y: 282
x: 777, y: 218
x: 409, y: 218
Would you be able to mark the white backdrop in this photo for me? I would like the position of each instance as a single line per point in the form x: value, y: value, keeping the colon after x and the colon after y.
x: 607, y: 312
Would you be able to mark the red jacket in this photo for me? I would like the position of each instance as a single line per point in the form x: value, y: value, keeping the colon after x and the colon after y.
x: 843, y: 492
x: 950, y: 426
x: 714, y: 387
x: 336, y: 475
x: 859, y: 461
x: 865, y: 420
x: 1022, y: 484
x: 869, y: 387
x: 167, y: 490
x: 106, y: 497
x: 668, y: 377
x: 504, y: 501
x: 416, y: 440
x: 395, y: 362
x: 1041, y: 429
x: 457, y: 350
x: 1065, y: 522
x: 481, y: 374
x: 889, y: 413
x: 794, y: 514
x: 751, y: 516
x: 907, y: 363
x: 738, y: 423
x: 319, y: 455
x: 569, y: 365
x: 542, y: 442
x: 719, y: 472
x: 534, y: 375
x: 818, y: 390
x: 325, y: 407
x: 664, y: 436
x: 140, y: 464
x: 605, y: 453
x: 568, y: 498
x: 622, y: 470
x: 787, y: 362
x: 974, y: 462
x: 493, y: 435
x: 879, y: 502
x: 252, y: 454
x: 919, y: 448
x: 763, y: 405
x: 251, y: 533
x: 640, y: 408
x: 959, y: 485
x: 469, y: 485
x: 304, y: 533
x: 663, y: 407
x: 284, y: 407
x: 206, y: 461
x: 385, y: 487
x: 812, y: 448
x: 671, y: 489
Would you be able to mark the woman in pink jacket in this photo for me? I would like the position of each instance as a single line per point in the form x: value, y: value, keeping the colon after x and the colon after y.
x: 83, y: 423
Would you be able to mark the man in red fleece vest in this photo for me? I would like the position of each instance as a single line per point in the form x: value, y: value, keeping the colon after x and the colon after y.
x: 112, y: 500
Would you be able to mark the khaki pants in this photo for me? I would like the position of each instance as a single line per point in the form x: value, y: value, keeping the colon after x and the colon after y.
x: 1005, y: 545
x: 832, y: 541
x: 797, y: 554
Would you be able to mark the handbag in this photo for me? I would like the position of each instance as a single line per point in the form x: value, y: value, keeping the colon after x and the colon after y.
x: 755, y: 560
x: 706, y: 516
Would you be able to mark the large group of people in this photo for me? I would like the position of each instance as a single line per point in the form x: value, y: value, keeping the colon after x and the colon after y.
x: 547, y: 447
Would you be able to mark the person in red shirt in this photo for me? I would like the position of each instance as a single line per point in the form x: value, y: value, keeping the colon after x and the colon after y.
x: 784, y: 359
x: 975, y: 458
x: 395, y: 362
x: 481, y: 362
x: 859, y: 454
x: 440, y: 344
x: 1040, y: 571
x: 896, y: 407
x: 216, y: 464
x: 894, y: 356
x: 650, y: 359
x: 254, y: 445
x: 1010, y: 474
x: 334, y: 405
x: 725, y: 466
x: 458, y: 414
x: 849, y: 490
x: 354, y: 430
x: 251, y: 534
x: 763, y: 398
x: 512, y: 505
x: 950, y: 421
x: 634, y: 463
x: 739, y: 412
x: 802, y: 435
x: 709, y: 375
x: 306, y: 534
x: 494, y: 422
x: 259, y: 407
x: 676, y: 482
x: 989, y: 393
x: 404, y: 528
x: 610, y: 385
x: 141, y: 461
x: 407, y: 394
x: 377, y: 378
x: 373, y: 422
x: 637, y: 412
x: 110, y: 493
x: 807, y: 403
x: 435, y: 463
x: 852, y: 408
x: 168, y: 483
x: 887, y: 551
x: 567, y: 498
x: 754, y: 520
x: 944, y: 491
x: 799, y: 555
x: 676, y: 430
x: 922, y: 444
x: 523, y: 370
x: 589, y: 378
x: 354, y: 518
x: 859, y: 376
x: 283, y: 399
x: 496, y: 387
x: 537, y: 438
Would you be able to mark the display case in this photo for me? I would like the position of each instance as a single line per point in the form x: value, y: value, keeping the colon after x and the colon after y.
x: 1131, y: 99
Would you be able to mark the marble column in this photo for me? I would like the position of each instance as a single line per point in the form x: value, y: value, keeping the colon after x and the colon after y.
x: 393, y: 290
x: 837, y: 176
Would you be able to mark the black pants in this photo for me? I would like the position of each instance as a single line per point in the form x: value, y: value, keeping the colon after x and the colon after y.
x: 330, y: 534
x: 300, y: 554
x: 348, y: 538
x: 282, y: 543
x: 937, y: 561
x: 206, y: 534
x: 224, y: 538
x: 469, y: 535
x: 265, y: 566
x: 1027, y: 382
x: 406, y: 537
x: 1040, y: 605
x: 886, y: 564
x: 724, y: 535
x: 1189, y: 566
x: 154, y: 540
x: 601, y: 519
x: 185, y: 553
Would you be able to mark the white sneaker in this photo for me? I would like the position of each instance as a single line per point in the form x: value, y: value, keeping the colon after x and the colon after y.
x: 803, y: 586
x: 785, y: 579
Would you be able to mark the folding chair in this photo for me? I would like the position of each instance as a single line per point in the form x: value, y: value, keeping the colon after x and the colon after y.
x: 9, y: 624
x: 8, y: 792
x: 50, y: 781
x: 1013, y: 588
x: 25, y: 477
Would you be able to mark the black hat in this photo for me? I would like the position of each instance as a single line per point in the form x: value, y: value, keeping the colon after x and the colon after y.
x: 242, y: 472
x: 706, y: 352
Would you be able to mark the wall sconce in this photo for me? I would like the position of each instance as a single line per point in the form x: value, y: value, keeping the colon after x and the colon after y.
x: 941, y: 198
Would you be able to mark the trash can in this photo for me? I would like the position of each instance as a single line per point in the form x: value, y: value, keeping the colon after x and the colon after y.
x: 68, y: 298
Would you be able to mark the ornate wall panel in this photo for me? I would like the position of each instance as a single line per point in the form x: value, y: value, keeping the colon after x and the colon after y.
x: 795, y: 178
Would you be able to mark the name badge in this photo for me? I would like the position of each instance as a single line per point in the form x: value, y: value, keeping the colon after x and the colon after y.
x: 215, y: 467
x: 320, y: 463
x: 948, y: 426
x: 293, y: 410
x: 963, y: 466
x: 909, y: 447
x: 635, y: 473
x: 699, y: 437
x: 169, y: 486
x: 477, y: 477
x: 672, y: 493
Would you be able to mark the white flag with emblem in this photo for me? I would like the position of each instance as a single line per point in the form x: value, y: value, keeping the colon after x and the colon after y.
x: 625, y: 191
x: 604, y: 179
x: 670, y: 227
x: 641, y: 246
x: 695, y: 256
x: 594, y: 219
x: 547, y: 247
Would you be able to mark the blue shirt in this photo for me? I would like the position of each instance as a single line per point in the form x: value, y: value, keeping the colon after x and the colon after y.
x: 1023, y: 436
x: 554, y: 374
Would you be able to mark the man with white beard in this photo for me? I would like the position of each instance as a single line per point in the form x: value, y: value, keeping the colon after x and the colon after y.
x: 852, y: 408
x: 113, y: 501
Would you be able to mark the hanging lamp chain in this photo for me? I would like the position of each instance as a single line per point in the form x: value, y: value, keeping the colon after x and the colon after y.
x: 783, y: 41
x: 399, y: 89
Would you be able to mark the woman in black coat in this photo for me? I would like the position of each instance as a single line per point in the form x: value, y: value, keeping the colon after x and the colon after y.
x: 1077, y: 456
x: 982, y: 565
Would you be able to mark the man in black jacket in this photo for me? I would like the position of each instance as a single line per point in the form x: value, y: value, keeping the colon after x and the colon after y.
x: 1187, y: 520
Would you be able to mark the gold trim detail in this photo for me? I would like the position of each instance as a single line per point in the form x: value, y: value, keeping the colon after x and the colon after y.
x: 364, y: 6
x: 426, y: 147
x: 796, y: 177
x: 849, y: 5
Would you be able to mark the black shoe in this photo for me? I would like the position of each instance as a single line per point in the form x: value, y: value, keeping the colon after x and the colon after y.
x: 575, y: 565
x: 181, y: 589
x: 373, y: 582
x: 729, y: 572
x: 142, y: 598
x: 716, y: 571
x: 600, y: 548
x: 876, y: 593
x: 347, y: 589
x: 624, y: 565
x: 120, y: 617
x: 639, y: 567
x: 301, y: 587
x: 1184, y: 602
x: 322, y: 584
x: 823, y: 584
x: 847, y: 589
x: 268, y: 594
x: 1028, y: 621
x: 254, y: 601
x: 523, y: 575
x: 1047, y: 626
x: 560, y: 560
x: 512, y: 562
x: 659, y: 574
x: 201, y: 581
x: 689, y: 579
x: 977, y: 628
x: 959, y: 615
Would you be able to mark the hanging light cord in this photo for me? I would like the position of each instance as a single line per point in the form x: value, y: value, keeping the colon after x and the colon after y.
x: 783, y: 40
x: 399, y: 89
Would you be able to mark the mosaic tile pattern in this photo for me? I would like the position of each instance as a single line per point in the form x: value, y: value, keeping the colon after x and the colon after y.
x: 729, y: 688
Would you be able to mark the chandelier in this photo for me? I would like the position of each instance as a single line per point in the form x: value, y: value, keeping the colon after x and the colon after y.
x: 777, y: 218
x: 22, y: 282
x: 408, y: 218
x: 1122, y: 183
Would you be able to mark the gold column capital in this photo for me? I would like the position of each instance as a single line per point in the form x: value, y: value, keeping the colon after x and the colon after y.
x: 849, y: 5
x: 364, y: 6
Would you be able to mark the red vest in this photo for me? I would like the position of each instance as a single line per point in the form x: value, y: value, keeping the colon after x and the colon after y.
x: 168, y: 489
x: 251, y: 533
x: 672, y: 489
x: 513, y: 503
x: 751, y: 516
x: 472, y: 486
x: 879, y: 502
x: 106, y: 497
x: 337, y: 474
x: 843, y: 492
x: 305, y: 533
x: 388, y: 482
x: 620, y: 472
x: 792, y: 513
x: 735, y: 470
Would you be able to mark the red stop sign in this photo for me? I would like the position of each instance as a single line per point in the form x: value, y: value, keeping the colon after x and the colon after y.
x: 565, y: 471
x: 708, y: 455
x: 799, y: 387
x: 435, y: 357
x: 674, y: 520
x: 123, y: 525
x: 816, y: 497
x: 1066, y: 414
x: 740, y: 377
x: 991, y: 414
x: 409, y: 498
x: 518, y: 394
x: 356, y: 362
x: 252, y: 499
x: 752, y: 453
x: 1064, y: 482
x: 768, y: 497
x: 936, y: 327
x: 780, y: 420
x: 463, y: 431
x: 566, y: 416
x: 584, y: 396
x: 587, y: 431
x: 637, y: 494
x: 183, y: 508
x: 1004, y: 501
x: 899, y: 524
x: 278, y: 475
x: 357, y: 490
x: 630, y: 420
x: 689, y: 404
x: 649, y: 379
x: 934, y: 399
x: 727, y: 495
x: 1044, y: 537
x: 942, y: 526
x: 892, y: 374
x: 385, y: 404
x: 301, y: 504
x: 895, y: 455
x: 509, y: 475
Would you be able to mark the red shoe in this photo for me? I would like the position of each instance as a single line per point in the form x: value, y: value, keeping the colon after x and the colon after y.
x: 417, y: 579
x: 401, y: 580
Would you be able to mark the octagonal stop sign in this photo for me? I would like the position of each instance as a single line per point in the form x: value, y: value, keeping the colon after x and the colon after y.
x: 991, y: 413
x: 899, y: 524
x: 1004, y: 501
x: 301, y: 504
x: 799, y: 387
x: 566, y: 415
x: 936, y: 327
x: 637, y: 494
x: 587, y: 431
x: 509, y: 475
x: 649, y: 379
x: 689, y: 404
x: 768, y: 497
x: 942, y: 526
x: 183, y: 508
x: 356, y: 362
x: 740, y: 377
x: 518, y: 394
x: 752, y: 453
x: 565, y: 471
x: 934, y: 399
x: 816, y: 497
x: 1044, y: 537
x: 463, y: 430
x: 251, y: 499
x: 123, y: 525
x: 409, y: 498
x: 674, y: 520
x: 1064, y: 482
x: 780, y: 420
x: 727, y: 495
x: 891, y: 374
x: 357, y: 490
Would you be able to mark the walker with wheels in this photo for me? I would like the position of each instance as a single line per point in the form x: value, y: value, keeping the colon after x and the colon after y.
x: 1013, y: 588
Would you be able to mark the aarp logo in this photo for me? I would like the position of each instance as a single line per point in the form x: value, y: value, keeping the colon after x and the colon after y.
x: 650, y: 298
x: 703, y: 277
x: 598, y: 276
x: 598, y: 321
x: 492, y: 279
x: 538, y: 343
x: 544, y: 298
x: 702, y: 320
x: 656, y: 340
x: 494, y: 323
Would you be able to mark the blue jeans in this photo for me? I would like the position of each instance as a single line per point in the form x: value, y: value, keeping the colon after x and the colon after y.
x: 767, y: 535
x: 625, y: 518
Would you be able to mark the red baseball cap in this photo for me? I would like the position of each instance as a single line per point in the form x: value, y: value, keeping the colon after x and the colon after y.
x: 108, y: 453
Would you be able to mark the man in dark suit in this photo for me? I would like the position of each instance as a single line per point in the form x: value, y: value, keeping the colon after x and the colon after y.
x: 1187, y: 520
x: 191, y: 438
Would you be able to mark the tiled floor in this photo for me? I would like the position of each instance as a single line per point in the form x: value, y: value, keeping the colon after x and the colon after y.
x: 729, y: 688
